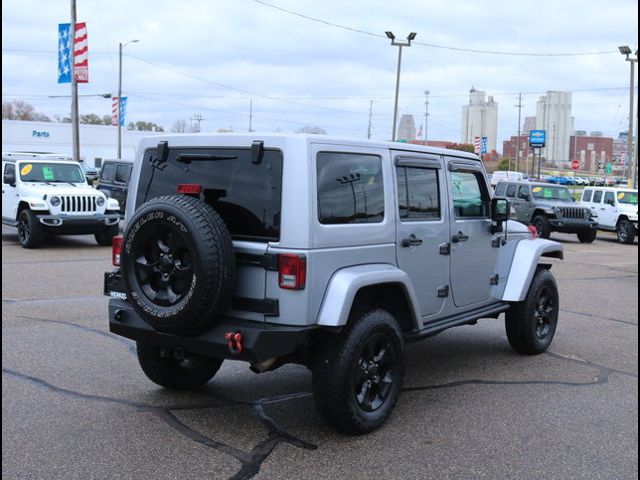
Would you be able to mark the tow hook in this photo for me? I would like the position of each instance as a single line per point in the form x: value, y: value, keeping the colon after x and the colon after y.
x: 234, y: 340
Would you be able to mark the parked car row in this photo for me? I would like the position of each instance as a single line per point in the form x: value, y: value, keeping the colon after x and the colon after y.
x: 584, y: 181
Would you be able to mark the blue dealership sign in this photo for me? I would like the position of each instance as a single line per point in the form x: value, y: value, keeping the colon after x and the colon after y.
x: 537, y: 138
x: 483, y: 148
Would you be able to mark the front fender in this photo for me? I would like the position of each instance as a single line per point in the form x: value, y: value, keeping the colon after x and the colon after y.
x: 35, y: 203
x: 345, y: 284
x: 524, y: 263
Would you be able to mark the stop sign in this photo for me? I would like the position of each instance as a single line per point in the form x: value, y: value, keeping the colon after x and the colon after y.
x: 575, y: 164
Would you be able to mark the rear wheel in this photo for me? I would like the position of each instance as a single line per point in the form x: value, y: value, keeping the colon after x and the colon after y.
x: 183, y: 372
x: 531, y: 324
x: 543, y: 227
x: 588, y: 236
x: 29, y: 230
x: 626, y: 231
x: 357, y: 375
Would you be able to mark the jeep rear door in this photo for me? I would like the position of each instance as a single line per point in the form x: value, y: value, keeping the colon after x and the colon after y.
x: 422, y: 228
x: 473, y: 254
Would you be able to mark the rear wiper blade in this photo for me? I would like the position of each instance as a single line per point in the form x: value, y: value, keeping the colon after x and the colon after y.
x: 202, y: 157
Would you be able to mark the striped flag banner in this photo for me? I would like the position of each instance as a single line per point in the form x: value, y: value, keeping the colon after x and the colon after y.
x: 476, y: 145
x: 80, y: 53
x: 114, y: 110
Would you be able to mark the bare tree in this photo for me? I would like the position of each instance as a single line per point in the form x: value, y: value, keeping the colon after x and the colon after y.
x: 310, y: 129
x: 180, y: 126
x: 8, y: 112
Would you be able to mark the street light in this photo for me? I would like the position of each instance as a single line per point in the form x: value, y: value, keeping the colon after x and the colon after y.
x: 625, y: 50
x: 398, y: 44
x: 120, y: 47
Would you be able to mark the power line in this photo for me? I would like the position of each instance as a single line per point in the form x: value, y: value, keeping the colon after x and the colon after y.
x: 432, y: 45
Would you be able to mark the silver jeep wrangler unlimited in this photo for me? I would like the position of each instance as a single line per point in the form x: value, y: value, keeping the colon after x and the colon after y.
x: 327, y: 252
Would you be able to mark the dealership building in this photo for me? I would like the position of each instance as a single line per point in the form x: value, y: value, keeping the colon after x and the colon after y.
x: 97, y: 142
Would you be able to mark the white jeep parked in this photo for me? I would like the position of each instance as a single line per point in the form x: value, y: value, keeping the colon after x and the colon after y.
x: 48, y: 196
x: 616, y: 209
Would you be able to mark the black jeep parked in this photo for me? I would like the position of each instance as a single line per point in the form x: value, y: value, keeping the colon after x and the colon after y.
x: 114, y: 180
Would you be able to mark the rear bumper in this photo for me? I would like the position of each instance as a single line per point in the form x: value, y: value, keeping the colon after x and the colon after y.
x: 260, y: 341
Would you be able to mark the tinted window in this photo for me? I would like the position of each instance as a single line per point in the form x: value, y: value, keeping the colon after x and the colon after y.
x: 609, y: 198
x: 246, y: 195
x: 350, y: 188
x: 511, y: 190
x: 501, y: 189
x: 597, y: 196
x: 523, y: 192
x: 418, y: 193
x: 586, y: 195
x: 122, y: 173
x: 108, y: 172
x: 51, y: 172
x: 469, y: 198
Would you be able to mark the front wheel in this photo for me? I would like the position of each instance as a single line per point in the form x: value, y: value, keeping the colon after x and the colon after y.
x: 357, y: 375
x: 29, y: 231
x: 626, y: 231
x: 587, y: 236
x: 183, y: 373
x: 531, y: 324
x: 543, y: 227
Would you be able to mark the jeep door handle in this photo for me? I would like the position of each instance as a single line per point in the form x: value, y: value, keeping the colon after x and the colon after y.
x: 411, y: 241
x: 459, y: 237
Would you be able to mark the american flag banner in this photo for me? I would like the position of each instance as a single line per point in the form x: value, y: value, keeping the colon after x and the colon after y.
x: 80, y: 53
x: 476, y: 145
x: 114, y: 111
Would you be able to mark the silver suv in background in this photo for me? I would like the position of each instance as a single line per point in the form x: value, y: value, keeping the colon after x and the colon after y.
x: 328, y: 252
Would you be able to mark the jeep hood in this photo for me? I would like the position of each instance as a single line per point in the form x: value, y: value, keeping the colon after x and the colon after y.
x: 39, y: 189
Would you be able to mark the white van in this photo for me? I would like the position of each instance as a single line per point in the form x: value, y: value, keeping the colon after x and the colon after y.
x: 504, y: 176
x: 616, y: 209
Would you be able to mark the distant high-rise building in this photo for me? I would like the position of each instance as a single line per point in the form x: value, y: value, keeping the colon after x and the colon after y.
x: 480, y: 119
x: 407, y: 128
x: 529, y: 124
x: 554, y: 116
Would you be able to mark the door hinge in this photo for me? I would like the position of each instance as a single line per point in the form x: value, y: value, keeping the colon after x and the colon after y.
x: 494, y: 280
x: 443, y: 291
x: 445, y: 248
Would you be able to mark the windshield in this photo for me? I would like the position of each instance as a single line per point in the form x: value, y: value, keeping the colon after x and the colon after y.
x: 51, y: 172
x: 629, y: 198
x: 561, y: 194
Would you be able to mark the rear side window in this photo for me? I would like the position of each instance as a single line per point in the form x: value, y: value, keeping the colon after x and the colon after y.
x: 586, y: 195
x: 597, y: 196
x: 108, y: 172
x: 511, y: 190
x: 246, y: 195
x: 418, y: 194
x: 122, y: 173
x: 350, y: 188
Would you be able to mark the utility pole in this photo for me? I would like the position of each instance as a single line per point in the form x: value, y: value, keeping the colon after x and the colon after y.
x: 398, y: 44
x: 195, y: 121
x: 75, y: 130
x: 426, y: 114
x: 370, y: 114
x: 519, y: 105
x: 250, y: 114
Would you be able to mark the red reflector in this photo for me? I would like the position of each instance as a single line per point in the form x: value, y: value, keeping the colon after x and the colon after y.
x: 533, y: 231
x: 116, y: 249
x: 189, y: 188
x: 292, y: 271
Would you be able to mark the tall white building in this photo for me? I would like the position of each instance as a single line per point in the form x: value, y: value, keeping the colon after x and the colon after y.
x: 553, y: 114
x: 407, y: 128
x: 480, y: 119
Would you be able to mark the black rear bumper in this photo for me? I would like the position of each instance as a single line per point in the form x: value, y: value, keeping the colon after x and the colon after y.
x: 260, y: 341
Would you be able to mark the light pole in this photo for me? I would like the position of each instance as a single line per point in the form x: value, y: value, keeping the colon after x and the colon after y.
x: 120, y: 47
x: 426, y: 114
x: 398, y: 44
x: 625, y: 50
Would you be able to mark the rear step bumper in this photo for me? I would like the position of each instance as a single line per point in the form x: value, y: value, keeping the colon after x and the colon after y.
x: 260, y: 341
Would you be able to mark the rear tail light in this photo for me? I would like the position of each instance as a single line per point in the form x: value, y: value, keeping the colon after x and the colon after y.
x: 189, y: 188
x: 116, y: 249
x: 292, y: 271
x: 533, y: 231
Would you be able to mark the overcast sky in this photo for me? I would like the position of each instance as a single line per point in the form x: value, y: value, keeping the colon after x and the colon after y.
x: 321, y: 63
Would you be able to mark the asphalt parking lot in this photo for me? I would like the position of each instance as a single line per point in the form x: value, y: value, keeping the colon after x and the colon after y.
x: 75, y: 404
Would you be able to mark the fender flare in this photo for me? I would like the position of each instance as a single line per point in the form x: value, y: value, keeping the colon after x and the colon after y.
x: 37, y: 204
x: 345, y: 284
x: 524, y: 264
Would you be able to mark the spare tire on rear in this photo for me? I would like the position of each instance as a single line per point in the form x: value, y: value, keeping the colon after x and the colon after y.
x: 177, y: 263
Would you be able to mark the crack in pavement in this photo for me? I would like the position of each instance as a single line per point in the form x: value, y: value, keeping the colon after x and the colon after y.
x: 599, y: 317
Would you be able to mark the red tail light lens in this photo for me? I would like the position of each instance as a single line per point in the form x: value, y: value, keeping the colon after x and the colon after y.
x: 189, y: 188
x: 533, y: 231
x: 292, y: 271
x: 116, y: 249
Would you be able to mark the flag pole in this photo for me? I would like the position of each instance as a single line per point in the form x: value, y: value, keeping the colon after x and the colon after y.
x: 75, y: 131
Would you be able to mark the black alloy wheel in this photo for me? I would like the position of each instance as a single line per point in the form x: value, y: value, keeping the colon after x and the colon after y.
x: 29, y: 231
x: 543, y: 312
x: 375, y: 372
x: 625, y: 231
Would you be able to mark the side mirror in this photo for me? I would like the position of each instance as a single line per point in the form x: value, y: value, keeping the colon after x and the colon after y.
x: 500, y: 210
x: 611, y: 202
x: 10, y: 179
